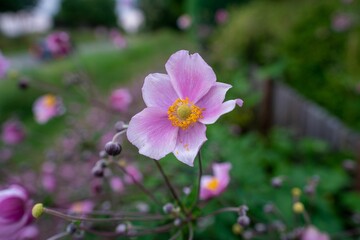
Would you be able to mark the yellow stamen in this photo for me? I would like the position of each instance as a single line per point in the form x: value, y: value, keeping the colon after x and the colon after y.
x: 213, y: 184
x: 183, y: 113
x: 49, y: 100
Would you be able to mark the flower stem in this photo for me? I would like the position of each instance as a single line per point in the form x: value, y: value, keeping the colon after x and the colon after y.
x: 140, y: 186
x: 199, y: 183
x: 58, y: 236
x: 171, y: 188
x: 222, y: 210
x: 89, y: 219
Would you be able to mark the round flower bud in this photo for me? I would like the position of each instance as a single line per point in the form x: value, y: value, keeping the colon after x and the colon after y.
x: 269, y: 208
x: 237, y: 229
x: 177, y: 222
x: 121, y: 228
x: 71, y: 228
x: 113, y: 148
x: 168, y: 208
x: 103, y: 154
x: 298, y: 207
x: 276, y: 182
x: 37, y: 210
x: 23, y: 84
x: 296, y: 192
x: 243, y: 220
x: 97, y: 171
x: 243, y: 209
x: 119, y: 126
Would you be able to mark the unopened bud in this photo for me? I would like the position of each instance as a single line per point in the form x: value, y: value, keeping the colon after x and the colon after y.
x: 121, y: 228
x: 113, y: 148
x: 119, y: 126
x: 298, y: 207
x: 296, y: 192
x: 177, y: 222
x: 37, y: 210
x: 277, y: 182
x: 23, y: 84
x: 97, y: 171
x: 243, y: 209
x: 71, y: 228
x: 103, y: 154
x: 168, y: 208
x: 237, y: 229
x: 243, y: 220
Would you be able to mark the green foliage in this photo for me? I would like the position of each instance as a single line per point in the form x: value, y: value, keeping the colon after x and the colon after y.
x: 161, y: 13
x: 86, y: 13
x: 16, y: 5
x: 303, y: 47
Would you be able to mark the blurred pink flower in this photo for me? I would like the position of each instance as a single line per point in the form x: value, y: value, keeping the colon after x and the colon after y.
x: 118, y: 39
x: 13, y: 132
x: 15, y: 214
x: 134, y: 173
x: 48, y: 182
x: 116, y: 184
x: 212, y: 186
x: 5, y: 154
x: 311, y: 233
x: 221, y: 16
x: 120, y: 99
x: 341, y: 22
x: 184, y: 22
x: 4, y: 65
x: 179, y: 105
x: 59, y: 43
x: 47, y: 107
x: 82, y: 207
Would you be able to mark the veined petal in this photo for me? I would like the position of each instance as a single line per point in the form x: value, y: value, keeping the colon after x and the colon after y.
x: 189, y: 142
x: 190, y: 75
x: 213, y: 113
x: 152, y: 132
x: 158, y: 91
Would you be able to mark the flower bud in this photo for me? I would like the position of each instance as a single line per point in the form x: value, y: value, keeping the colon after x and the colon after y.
x: 103, y: 154
x: 296, y: 192
x: 23, y: 84
x: 298, y: 207
x: 168, y: 208
x: 276, y: 182
x: 243, y: 209
x: 177, y: 222
x: 71, y: 228
x: 237, y: 229
x: 37, y: 210
x: 269, y: 208
x: 113, y: 148
x: 121, y: 228
x: 97, y: 171
x: 119, y: 126
x: 243, y: 220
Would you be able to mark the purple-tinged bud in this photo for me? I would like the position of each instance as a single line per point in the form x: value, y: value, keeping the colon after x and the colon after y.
x: 309, y: 189
x: 177, y: 222
x: 168, y: 208
x: 269, y: 208
x: 119, y: 126
x: 349, y: 165
x: 102, y: 163
x: 121, y: 228
x: 243, y: 210
x: 260, y: 227
x: 243, y: 220
x: 277, y: 182
x: 23, y: 84
x: 248, y: 234
x: 103, y: 154
x: 113, y: 148
x: 97, y: 171
x: 71, y: 228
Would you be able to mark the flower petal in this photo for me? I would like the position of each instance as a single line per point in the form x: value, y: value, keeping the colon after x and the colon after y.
x: 190, y: 75
x: 205, y: 193
x: 152, y: 133
x: 221, y: 172
x: 189, y: 142
x: 213, y: 103
x: 158, y: 91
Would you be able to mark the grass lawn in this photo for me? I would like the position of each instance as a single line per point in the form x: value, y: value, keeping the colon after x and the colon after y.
x: 107, y: 70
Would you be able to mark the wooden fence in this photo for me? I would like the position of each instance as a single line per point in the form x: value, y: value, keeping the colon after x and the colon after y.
x: 282, y: 106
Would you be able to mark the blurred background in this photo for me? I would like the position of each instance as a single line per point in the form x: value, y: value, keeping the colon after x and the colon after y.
x: 70, y: 70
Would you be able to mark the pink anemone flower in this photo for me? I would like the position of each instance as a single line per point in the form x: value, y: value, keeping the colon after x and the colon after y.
x: 13, y: 132
x: 4, y: 65
x: 82, y: 207
x: 47, y: 107
x: 179, y: 106
x: 15, y: 214
x: 212, y: 186
x: 133, y: 174
x: 120, y: 99
x: 312, y: 233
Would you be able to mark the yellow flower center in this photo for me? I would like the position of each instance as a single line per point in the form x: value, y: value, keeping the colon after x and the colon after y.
x: 49, y: 100
x: 183, y: 113
x: 213, y: 184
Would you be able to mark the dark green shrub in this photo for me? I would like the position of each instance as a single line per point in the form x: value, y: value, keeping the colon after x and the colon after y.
x: 86, y: 13
x: 161, y: 13
x: 16, y: 5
